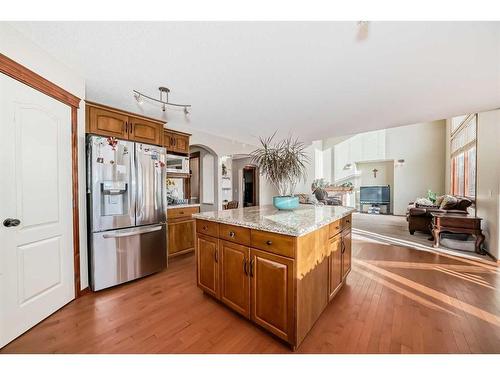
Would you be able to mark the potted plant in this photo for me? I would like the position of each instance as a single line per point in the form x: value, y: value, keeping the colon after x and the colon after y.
x: 283, y: 163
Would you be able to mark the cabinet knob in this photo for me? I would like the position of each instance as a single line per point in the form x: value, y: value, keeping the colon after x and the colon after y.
x: 182, y: 212
x: 269, y: 242
x: 231, y: 234
x: 205, y: 227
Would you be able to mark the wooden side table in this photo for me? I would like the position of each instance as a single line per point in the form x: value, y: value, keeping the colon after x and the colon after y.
x: 456, y: 223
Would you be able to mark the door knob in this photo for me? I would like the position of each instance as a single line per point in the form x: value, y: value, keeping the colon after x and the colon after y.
x: 11, y: 222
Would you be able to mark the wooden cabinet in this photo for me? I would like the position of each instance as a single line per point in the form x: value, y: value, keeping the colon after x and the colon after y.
x: 234, y: 233
x: 272, y: 290
x: 108, y: 123
x: 145, y: 131
x: 235, y: 281
x: 334, y: 265
x: 111, y: 122
x: 279, y: 244
x: 282, y: 283
x: 207, y: 262
x: 181, y: 236
x: 181, y: 230
x: 346, y: 252
x: 176, y: 142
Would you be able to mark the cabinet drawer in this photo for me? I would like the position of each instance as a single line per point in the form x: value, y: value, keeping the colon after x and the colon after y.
x: 207, y: 227
x: 335, y: 228
x: 234, y: 233
x: 346, y: 222
x: 173, y: 213
x: 275, y: 243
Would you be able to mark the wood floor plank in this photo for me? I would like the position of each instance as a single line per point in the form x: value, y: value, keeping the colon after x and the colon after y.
x: 396, y: 300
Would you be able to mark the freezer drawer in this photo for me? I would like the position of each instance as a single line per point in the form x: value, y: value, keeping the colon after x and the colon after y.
x: 126, y: 254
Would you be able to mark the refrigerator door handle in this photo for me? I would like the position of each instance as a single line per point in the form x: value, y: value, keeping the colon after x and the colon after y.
x: 132, y: 232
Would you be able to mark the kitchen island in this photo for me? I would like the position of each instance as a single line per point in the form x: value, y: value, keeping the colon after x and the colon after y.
x: 279, y: 269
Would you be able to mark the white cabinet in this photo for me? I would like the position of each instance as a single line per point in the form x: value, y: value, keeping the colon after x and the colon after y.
x: 363, y: 147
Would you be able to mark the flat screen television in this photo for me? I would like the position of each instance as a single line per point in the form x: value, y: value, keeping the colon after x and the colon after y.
x: 375, y: 194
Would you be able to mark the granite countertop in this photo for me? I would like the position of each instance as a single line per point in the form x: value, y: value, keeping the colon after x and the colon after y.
x: 303, y: 220
x: 185, y: 205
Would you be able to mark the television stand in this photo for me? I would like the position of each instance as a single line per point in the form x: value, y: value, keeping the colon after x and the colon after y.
x: 387, y: 206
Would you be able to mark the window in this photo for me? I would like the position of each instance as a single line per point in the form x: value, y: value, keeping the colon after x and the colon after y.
x: 463, y: 155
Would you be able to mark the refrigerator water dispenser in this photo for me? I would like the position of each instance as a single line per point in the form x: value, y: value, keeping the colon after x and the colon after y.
x: 114, y: 198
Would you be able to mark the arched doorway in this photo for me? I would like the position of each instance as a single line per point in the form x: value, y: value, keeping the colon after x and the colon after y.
x: 203, y: 183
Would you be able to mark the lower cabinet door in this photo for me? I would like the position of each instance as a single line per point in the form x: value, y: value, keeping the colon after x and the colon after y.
x: 334, y: 265
x: 207, y: 253
x: 346, y: 253
x: 272, y: 297
x: 181, y: 235
x: 235, y: 280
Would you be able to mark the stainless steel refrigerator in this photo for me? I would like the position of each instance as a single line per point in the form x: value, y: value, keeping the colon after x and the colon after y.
x: 126, y: 205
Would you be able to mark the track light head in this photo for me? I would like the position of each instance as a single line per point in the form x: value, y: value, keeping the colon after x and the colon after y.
x: 138, y: 98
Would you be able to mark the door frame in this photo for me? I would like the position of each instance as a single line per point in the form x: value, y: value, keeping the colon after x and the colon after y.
x: 26, y: 76
x: 187, y: 181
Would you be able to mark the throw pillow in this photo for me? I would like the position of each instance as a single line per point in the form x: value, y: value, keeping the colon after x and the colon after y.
x: 321, y: 194
x: 423, y: 202
x: 312, y: 199
x: 449, y: 202
x: 463, y: 204
x: 439, y: 200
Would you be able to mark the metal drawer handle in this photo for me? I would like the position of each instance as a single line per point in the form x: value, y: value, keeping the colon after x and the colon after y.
x: 131, y: 233
x: 231, y: 234
x: 205, y: 227
x: 181, y: 213
x: 216, y: 256
x: 252, y: 262
x: 245, y: 266
x: 269, y: 242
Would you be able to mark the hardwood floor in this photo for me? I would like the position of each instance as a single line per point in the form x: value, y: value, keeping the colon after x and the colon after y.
x: 397, y: 300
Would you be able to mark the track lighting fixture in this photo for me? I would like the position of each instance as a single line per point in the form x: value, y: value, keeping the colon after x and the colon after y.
x: 163, y: 100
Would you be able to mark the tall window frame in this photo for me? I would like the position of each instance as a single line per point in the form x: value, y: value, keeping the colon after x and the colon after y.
x: 463, y: 154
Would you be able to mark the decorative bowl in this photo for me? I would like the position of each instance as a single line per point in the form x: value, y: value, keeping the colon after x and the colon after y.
x: 285, y: 203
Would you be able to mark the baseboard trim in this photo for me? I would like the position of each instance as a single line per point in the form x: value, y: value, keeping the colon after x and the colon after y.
x: 83, y: 292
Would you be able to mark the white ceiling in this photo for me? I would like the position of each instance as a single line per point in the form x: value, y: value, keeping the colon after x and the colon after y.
x: 313, y: 79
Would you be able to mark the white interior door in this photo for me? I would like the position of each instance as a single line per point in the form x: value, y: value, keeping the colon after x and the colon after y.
x: 36, y: 256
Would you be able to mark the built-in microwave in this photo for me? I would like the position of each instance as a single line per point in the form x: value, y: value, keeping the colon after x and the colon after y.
x: 177, y: 164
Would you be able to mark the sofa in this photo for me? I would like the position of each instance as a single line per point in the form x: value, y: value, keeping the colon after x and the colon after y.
x: 319, y: 197
x: 419, y: 215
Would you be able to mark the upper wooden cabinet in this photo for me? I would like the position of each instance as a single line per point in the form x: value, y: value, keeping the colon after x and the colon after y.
x: 111, y: 122
x: 145, y: 131
x: 104, y: 122
x: 176, y: 142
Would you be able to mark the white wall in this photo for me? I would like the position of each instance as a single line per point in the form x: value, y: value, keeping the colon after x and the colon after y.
x: 422, y: 146
x: 22, y: 50
x: 488, y: 178
x: 314, y: 167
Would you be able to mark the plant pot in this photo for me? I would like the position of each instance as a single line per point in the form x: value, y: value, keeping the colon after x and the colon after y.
x: 285, y: 203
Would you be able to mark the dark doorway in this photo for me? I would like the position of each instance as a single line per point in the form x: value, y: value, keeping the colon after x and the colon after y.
x: 249, y: 186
